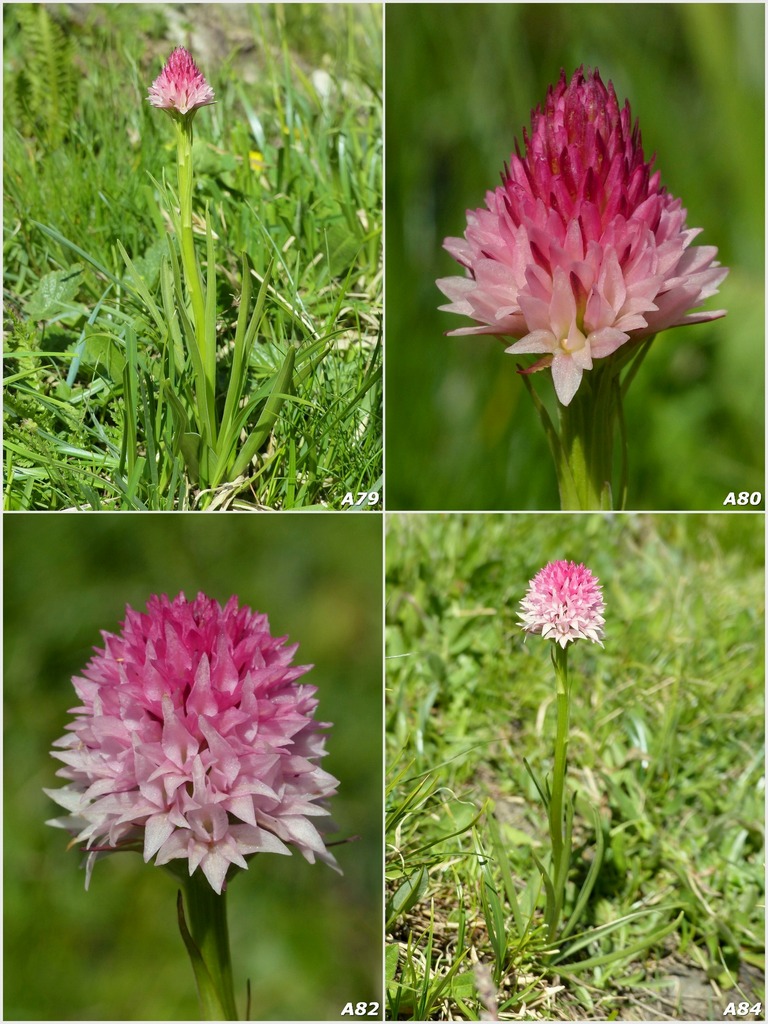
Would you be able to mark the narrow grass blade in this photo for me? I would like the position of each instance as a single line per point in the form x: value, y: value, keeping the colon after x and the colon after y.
x: 146, y: 392
x: 132, y: 483
x: 130, y: 375
x: 424, y: 1000
x: 209, y: 353
x: 280, y: 391
x: 565, y: 862
x: 450, y: 835
x: 58, y: 237
x: 74, y: 366
x: 187, y: 442
x: 142, y: 289
x: 237, y: 373
x: 635, y: 364
x: 624, y: 953
x: 172, y: 322
x: 494, y: 922
x: 549, y: 890
x: 535, y: 781
x: 172, y: 303
x: 589, y: 881
x: 290, y: 487
x: 506, y: 874
x: 244, y: 339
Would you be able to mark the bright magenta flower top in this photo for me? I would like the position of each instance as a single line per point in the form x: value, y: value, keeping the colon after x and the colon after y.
x: 564, y: 603
x: 180, y: 88
x: 193, y: 740
x: 581, y: 249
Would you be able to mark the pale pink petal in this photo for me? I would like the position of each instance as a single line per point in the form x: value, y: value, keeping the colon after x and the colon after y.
x: 566, y: 376
x: 536, y: 341
x: 606, y: 341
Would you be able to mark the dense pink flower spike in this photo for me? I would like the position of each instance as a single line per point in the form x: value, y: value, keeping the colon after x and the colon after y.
x: 180, y: 88
x: 195, y: 741
x: 564, y: 603
x: 581, y: 249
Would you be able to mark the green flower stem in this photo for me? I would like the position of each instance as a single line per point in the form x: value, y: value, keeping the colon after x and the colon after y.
x: 586, y: 441
x: 583, y: 449
x: 558, y: 831
x: 207, y: 921
x: 192, y: 276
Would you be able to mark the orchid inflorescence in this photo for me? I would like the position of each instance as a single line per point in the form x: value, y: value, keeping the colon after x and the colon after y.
x: 180, y: 87
x: 564, y: 603
x: 580, y: 257
x: 581, y: 249
x: 194, y: 740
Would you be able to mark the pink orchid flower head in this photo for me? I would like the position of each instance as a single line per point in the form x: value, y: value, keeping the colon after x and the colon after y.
x: 180, y: 88
x: 564, y: 603
x: 194, y: 740
x: 581, y: 249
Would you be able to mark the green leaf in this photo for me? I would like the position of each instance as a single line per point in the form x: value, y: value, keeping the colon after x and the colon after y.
x: 147, y: 267
x: 55, y: 293
x: 407, y: 895
x: 103, y: 354
x: 391, y: 959
x: 341, y: 245
x: 189, y: 445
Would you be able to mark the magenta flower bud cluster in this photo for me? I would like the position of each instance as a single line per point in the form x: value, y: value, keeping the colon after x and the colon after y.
x: 180, y: 88
x: 194, y: 740
x: 581, y: 249
x: 564, y: 603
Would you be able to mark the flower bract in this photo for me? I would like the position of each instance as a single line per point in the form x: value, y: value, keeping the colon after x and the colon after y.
x: 194, y: 740
x: 581, y: 249
x: 180, y: 88
x: 564, y: 603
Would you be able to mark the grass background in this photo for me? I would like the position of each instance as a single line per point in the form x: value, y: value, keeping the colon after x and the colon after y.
x: 666, y: 740
x: 309, y: 940
x: 289, y: 159
x: 461, y: 82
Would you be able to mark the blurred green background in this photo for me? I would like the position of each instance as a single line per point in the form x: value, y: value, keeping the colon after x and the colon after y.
x: 461, y: 81
x: 309, y: 940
